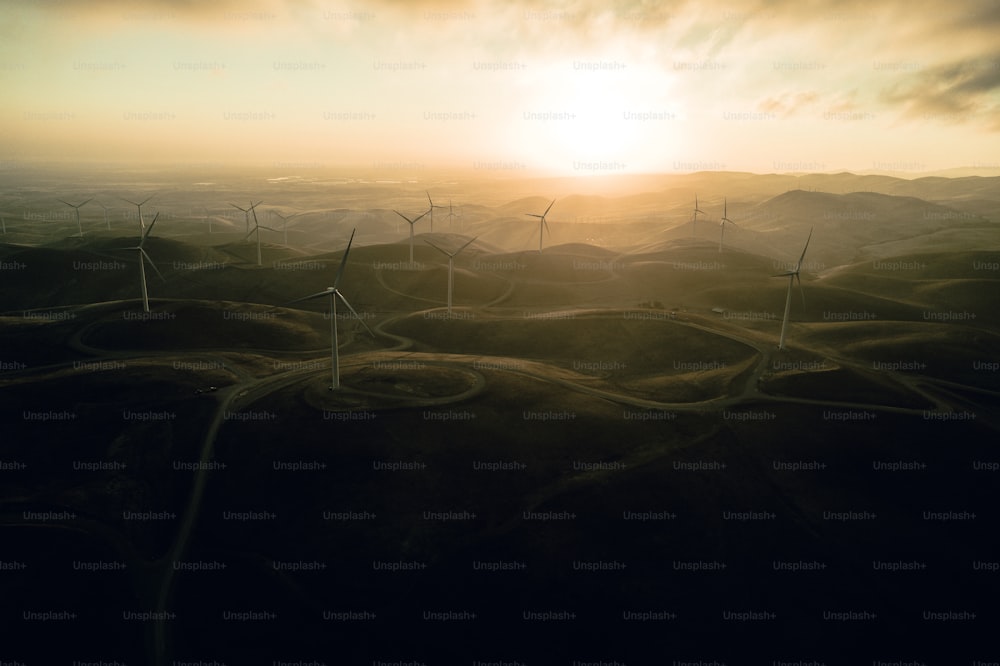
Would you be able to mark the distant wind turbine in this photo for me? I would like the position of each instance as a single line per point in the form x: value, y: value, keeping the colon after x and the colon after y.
x: 246, y: 213
x: 542, y: 225
x: 106, y: 220
x: 334, y: 293
x: 792, y: 276
x: 77, y: 209
x: 412, y: 222
x: 431, y: 209
x: 722, y: 223
x: 256, y: 229
x: 143, y: 257
x: 694, y: 217
x: 284, y: 224
x: 452, y: 214
x: 451, y: 266
x: 142, y: 224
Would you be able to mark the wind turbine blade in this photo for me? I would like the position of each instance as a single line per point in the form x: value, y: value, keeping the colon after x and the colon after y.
x: 343, y: 262
x: 533, y: 215
x: 802, y: 291
x: 318, y: 294
x: 417, y: 218
x: 799, y: 265
x: 149, y: 229
x: 85, y: 202
x: 546, y: 225
x: 465, y: 246
x: 402, y: 216
x: 548, y: 209
x: 239, y: 208
x: 146, y: 256
x: 438, y: 249
x: 356, y: 315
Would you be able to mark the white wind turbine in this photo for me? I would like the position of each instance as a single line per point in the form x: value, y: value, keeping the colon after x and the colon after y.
x: 694, y: 217
x: 452, y: 214
x: 77, y: 209
x: 412, y: 222
x: 143, y: 257
x: 246, y: 213
x: 142, y: 224
x: 792, y: 276
x: 451, y: 266
x: 106, y: 220
x: 256, y: 229
x: 722, y: 223
x: 431, y: 209
x: 334, y: 293
x: 542, y: 225
x: 284, y: 224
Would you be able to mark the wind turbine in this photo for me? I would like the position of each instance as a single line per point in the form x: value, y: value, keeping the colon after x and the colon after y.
x: 412, y: 222
x: 722, y: 223
x: 256, y: 229
x: 694, y: 218
x: 284, y: 224
x: 542, y: 224
x: 142, y: 225
x: 334, y: 293
x: 431, y: 209
x: 3, y: 221
x: 246, y: 213
x: 452, y: 214
x: 106, y: 220
x: 143, y: 235
x: 792, y: 276
x: 77, y: 209
x: 451, y: 266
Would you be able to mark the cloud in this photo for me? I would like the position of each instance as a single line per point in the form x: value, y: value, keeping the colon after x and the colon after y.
x: 959, y: 91
x: 789, y: 104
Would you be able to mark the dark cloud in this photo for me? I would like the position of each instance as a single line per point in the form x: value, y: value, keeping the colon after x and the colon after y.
x: 962, y: 90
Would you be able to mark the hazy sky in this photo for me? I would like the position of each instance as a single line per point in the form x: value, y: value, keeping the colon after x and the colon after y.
x: 574, y: 87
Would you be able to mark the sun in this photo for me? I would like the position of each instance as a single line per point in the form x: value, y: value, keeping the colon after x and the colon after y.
x: 597, y: 123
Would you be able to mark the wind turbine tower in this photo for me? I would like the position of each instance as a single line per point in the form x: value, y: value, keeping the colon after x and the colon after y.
x: 412, y: 222
x: 334, y: 293
x: 431, y: 209
x: 451, y: 267
x: 722, y: 223
x: 77, y: 209
x: 542, y: 224
x: 694, y: 217
x: 142, y: 224
x: 792, y: 276
x: 143, y: 257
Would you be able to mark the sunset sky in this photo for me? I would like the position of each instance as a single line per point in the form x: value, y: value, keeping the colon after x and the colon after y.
x: 571, y: 88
